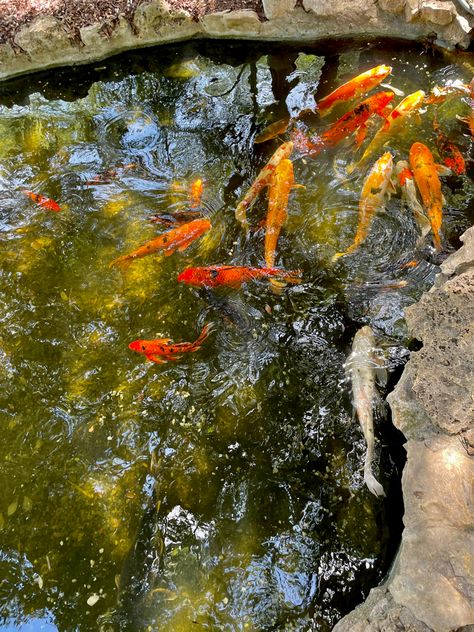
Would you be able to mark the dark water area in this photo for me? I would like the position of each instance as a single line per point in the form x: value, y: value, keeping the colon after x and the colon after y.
x: 223, y: 491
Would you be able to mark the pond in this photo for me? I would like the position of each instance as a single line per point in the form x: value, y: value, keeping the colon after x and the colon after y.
x: 223, y: 491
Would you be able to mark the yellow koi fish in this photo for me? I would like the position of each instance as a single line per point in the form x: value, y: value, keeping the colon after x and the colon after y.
x: 261, y: 181
x: 425, y: 172
x: 409, y: 197
x: 376, y: 186
x: 392, y: 125
x: 354, y: 88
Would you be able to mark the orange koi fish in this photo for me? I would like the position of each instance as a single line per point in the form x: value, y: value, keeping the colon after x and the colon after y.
x: 261, y: 181
x: 178, y: 238
x: 354, y: 120
x: 376, y: 186
x: 162, y: 350
x: 233, y: 276
x: 195, y: 193
x: 448, y: 151
x: 425, y: 172
x: 409, y: 197
x: 44, y: 202
x: 176, y: 218
x: 393, y: 123
x: 354, y: 88
x: 279, y: 191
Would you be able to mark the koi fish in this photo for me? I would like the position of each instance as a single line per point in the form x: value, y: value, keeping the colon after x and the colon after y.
x: 107, y: 175
x: 176, y: 218
x: 233, y: 276
x: 440, y: 94
x: 354, y: 88
x: 409, y: 197
x: 278, y: 193
x: 43, y: 201
x: 448, y: 151
x: 261, y: 181
x: 425, y: 172
x: 361, y: 366
x: 376, y: 186
x: 178, y: 238
x: 162, y: 350
x: 354, y: 120
x: 394, y: 121
x: 272, y: 130
x: 195, y: 193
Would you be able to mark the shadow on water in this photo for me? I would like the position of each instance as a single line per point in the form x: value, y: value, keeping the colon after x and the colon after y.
x: 223, y: 491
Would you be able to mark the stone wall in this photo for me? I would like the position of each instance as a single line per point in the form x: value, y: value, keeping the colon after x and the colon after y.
x: 431, y: 585
x: 45, y: 42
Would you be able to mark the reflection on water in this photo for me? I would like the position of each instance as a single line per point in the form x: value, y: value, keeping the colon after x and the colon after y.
x: 225, y: 491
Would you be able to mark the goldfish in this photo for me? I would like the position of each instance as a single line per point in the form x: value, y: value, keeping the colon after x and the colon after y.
x: 43, y: 201
x: 393, y: 123
x: 178, y: 217
x: 407, y: 184
x: 354, y: 120
x: 233, y: 276
x: 448, y: 151
x: 361, y: 366
x: 162, y: 350
x: 195, y: 193
x: 376, y: 186
x: 175, y: 239
x: 354, y: 88
x: 279, y: 191
x: 425, y: 172
x: 261, y: 181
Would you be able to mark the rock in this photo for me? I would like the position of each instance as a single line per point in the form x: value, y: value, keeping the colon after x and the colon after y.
x: 438, y: 12
x: 412, y: 10
x: 152, y: 19
x: 444, y: 321
x: 460, y: 261
x: 277, y: 8
x: 392, y: 6
x: 44, y: 37
x: 437, y: 553
x: 232, y: 23
x: 100, y: 36
x: 346, y: 9
x: 458, y: 33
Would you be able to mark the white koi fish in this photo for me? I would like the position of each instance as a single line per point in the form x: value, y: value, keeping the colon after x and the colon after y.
x: 361, y: 366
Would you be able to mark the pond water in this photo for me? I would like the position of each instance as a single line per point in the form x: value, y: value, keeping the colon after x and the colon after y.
x: 223, y: 491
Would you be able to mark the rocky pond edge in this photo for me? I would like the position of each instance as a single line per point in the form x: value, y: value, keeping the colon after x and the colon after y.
x: 46, y: 41
x: 431, y: 584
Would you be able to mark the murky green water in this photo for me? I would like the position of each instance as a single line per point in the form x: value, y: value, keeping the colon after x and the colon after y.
x: 223, y: 492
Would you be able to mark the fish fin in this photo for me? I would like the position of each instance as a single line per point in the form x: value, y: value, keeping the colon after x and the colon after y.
x: 391, y: 186
x: 122, y: 262
x: 291, y: 277
x: 360, y: 136
x: 443, y: 170
x: 372, y: 483
x: 381, y: 375
x: 443, y: 200
x: 298, y: 186
x: 338, y: 255
x: 155, y: 358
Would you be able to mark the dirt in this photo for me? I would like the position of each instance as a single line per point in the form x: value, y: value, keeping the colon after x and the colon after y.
x: 74, y: 14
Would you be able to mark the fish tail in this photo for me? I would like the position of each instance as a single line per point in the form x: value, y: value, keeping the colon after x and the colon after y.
x: 372, y: 483
x: 206, y: 330
x: 338, y: 255
x: 122, y: 262
x: 437, y: 241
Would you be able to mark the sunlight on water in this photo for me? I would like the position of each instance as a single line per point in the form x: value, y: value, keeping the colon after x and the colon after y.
x: 223, y: 491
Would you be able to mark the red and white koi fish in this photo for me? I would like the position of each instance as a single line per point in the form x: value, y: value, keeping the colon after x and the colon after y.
x: 175, y: 239
x: 43, y: 201
x: 406, y: 181
x: 354, y: 88
x: 261, y: 181
x: 376, y: 187
x: 162, y: 350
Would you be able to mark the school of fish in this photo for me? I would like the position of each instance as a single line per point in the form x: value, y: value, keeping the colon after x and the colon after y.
x: 416, y: 177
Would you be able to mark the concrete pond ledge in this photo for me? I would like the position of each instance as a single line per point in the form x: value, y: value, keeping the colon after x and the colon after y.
x: 45, y: 42
x: 431, y: 585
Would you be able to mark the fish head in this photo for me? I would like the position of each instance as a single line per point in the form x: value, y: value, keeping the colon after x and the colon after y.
x: 138, y: 345
x: 382, y: 71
